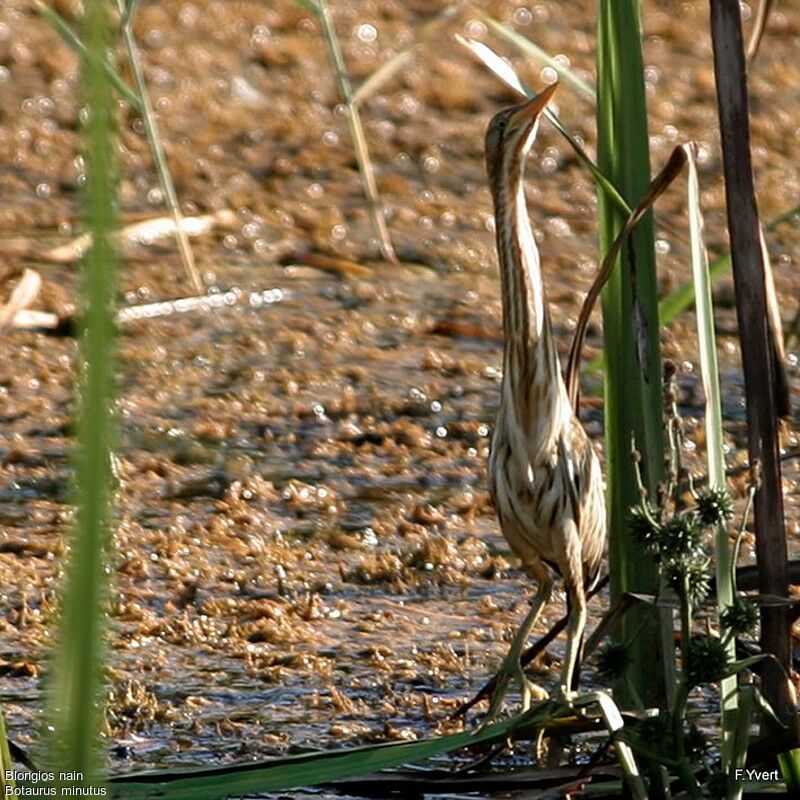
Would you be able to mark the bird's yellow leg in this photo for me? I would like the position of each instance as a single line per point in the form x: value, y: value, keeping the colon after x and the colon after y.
x: 575, y: 629
x: 511, y: 668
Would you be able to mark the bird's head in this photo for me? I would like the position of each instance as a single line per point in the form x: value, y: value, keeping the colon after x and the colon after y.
x: 511, y: 134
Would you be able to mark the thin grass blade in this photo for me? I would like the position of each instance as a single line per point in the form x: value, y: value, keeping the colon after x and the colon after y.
x: 533, y: 50
x: 505, y: 72
x: 391, y: 67
x: 69, y: 36
x: 739, y: 739
x: 789, y: 763
x: 745, y: 663
x: 374, y: 206
x: 285, y: 774
x: 382, y: 75
x: 615, y: 724
x: 757, y: 31
x: 128, y: 10
x: 8, y: 786
x: 715, y: 452
x: 74, y: 712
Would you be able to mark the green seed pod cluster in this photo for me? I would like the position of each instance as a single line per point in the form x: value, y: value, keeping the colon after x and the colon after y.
x: 714, y: 507
x: 668, y: 540
x: 677, y: 542
x: 679, y: 536
x: 613, y: 660
x: 695, y: 570
x: 656, y: 732
x: 717, y: 785
x: 645, y: 526
x: 741, y: 617
x: 707, y: 661
x: 696, y: 743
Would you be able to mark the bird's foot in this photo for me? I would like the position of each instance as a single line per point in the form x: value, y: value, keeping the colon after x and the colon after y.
x: 511, y: 671
x: 565, y: 694
x: 531, y: 691
x: 571, y: 699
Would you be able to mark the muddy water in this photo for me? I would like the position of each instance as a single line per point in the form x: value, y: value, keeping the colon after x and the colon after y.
x: 306, y: 552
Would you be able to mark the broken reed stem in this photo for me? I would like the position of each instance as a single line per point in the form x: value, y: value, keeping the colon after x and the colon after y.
x: 357, y: 133
x: 128, y: 11
x: 749, y: 281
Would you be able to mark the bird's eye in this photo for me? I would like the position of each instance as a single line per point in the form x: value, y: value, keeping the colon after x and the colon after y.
x: 502, y: 124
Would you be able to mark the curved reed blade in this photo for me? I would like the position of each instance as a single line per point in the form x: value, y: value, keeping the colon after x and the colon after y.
x: 759, y: 26
x: 658, y: 186
x: 505, y: 72
x: 615, y: 724
x: 530, y: 48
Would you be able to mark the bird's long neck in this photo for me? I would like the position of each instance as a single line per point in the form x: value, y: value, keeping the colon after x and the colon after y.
x: 531, y: 373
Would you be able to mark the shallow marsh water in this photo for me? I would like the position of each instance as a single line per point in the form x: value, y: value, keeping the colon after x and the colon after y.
x: 306, y: 552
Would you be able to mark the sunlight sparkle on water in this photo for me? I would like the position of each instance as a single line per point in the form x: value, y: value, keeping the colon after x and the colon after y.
x: 366, y: 32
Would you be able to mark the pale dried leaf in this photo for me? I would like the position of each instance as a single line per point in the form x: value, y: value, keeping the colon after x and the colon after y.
x: 145, y: 233
x: 28, y: 319
x: 25, y: 292
x: 499, y: 66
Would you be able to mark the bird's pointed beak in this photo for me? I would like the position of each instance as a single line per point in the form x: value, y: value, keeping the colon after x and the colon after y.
x: 528, y: 112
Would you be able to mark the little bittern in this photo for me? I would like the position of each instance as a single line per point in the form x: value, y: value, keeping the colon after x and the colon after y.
x: 545, y: 477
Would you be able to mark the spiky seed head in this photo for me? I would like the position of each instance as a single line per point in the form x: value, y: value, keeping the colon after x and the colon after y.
x: 714, y: 507
x: 688, y: 575
x: 656, y: 731
x: 644, y: 524
x: 613, y: 660
x: 741, y: 617
x: 680, y: 535
x: 696, y: 743
x: 707, y: 661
